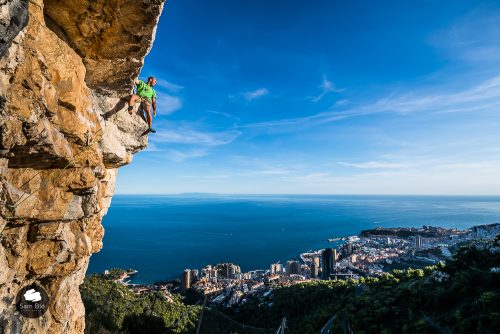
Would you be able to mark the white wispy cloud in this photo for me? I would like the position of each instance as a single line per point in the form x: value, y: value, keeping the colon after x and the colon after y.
x: 270, y: 171
x: 327, y: 87
x: 215, y: 112
x: 174, y: 88
x: 167, y: 104
x: 213, y: 176
x: 481, y: 97
x: 182, y: 133
x: 478, y: 97
x: 475, y: 38
x: 316, y: 177
x: 258, y: 93
x: 476, y: 165
x: 180, y: 140
x: 319, y: 118
x: 479, y: 177
x: 255, y: 165
x: 180, y: 156
x: 152, y: 147
x: 341, y: 102
x: 275, y: 171
x: 375, y: 165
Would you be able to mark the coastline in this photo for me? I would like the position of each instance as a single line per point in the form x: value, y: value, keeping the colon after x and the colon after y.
x: 189, y: 232
x: 441, y: 239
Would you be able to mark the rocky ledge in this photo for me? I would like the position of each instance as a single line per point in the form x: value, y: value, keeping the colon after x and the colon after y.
x: 65, y: 69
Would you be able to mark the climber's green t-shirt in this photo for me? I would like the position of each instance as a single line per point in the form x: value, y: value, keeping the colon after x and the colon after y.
x: 145, y: 90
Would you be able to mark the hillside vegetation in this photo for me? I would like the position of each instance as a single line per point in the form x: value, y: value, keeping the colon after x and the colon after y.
x: 111, y: 307
x: 461, y: 296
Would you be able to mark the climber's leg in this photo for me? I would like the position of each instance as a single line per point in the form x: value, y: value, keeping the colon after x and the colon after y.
x: 147, y: 108
x: 131, y: 102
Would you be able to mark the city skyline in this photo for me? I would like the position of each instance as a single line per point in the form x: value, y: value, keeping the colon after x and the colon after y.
x: 323, y: 98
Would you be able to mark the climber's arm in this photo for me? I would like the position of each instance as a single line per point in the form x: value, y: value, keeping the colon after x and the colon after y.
x: 154, y: 106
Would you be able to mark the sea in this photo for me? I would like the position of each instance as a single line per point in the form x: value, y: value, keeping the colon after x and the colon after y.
x: 160, y: 236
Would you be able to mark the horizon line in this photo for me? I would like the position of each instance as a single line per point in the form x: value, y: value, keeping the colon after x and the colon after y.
x: 299, y: 194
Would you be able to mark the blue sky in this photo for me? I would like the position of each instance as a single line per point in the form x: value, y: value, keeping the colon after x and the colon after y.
x: 323, y: 97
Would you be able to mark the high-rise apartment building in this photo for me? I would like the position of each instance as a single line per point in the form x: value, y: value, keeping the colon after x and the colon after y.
x: 293, y: 267
x: 186, y: 280
x: 328, y: 262
x: 315, y: 267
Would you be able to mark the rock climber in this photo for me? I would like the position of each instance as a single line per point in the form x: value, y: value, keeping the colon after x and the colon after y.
x: 146, y: 96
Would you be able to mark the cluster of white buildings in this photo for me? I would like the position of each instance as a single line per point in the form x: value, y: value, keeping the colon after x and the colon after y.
x: 357, y: 256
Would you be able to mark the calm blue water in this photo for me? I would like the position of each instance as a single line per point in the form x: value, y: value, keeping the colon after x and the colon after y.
x: 162, y: 235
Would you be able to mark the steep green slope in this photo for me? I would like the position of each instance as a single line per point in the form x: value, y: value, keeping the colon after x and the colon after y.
x: 110, y: 307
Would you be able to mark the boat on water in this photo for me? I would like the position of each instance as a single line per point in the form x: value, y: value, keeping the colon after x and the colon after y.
x: 353, y: 238
x: 335, y: 239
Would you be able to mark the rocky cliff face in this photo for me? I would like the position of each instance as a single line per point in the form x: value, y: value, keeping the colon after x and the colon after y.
x: 65, y: 68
